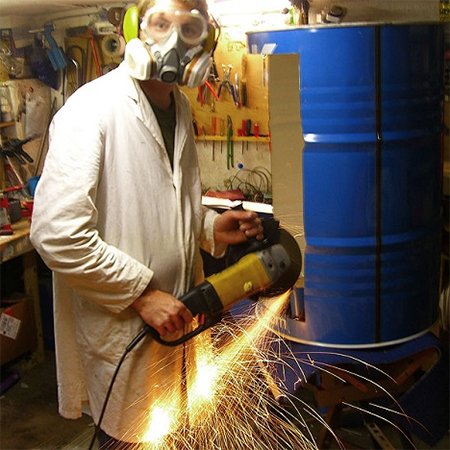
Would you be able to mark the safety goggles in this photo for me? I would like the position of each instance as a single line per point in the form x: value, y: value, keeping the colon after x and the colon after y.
x: 159, y: 24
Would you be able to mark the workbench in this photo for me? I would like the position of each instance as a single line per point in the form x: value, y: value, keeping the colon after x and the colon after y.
x: 18, y: 245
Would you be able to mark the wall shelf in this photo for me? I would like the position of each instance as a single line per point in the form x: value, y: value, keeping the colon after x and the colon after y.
x: 260, y: 139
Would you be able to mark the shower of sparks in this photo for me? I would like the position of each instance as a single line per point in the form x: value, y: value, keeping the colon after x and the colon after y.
x: 294, y: 230
x: 159, y: 424
x: 207, y: 376
x: 231, y: 401
x: 232, y: 394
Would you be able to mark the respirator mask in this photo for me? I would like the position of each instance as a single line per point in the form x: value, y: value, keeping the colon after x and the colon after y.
x: 175, y: 48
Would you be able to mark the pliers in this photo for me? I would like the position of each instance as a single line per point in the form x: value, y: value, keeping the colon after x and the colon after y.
x: 230, y: 144
x: 226, y: 82
x: 202, y: 92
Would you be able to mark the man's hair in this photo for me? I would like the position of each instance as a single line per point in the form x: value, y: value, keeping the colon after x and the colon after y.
x: 200, y: 5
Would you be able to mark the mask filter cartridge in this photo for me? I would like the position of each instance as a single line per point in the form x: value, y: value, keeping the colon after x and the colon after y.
x: 173, y: 49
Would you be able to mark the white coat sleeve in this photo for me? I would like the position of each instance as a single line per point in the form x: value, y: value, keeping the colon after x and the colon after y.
x: 207, y: 243
x: 63, y: 228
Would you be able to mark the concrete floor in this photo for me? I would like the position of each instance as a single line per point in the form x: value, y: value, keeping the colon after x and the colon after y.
x: 29, y: 414
x: 30, y: 420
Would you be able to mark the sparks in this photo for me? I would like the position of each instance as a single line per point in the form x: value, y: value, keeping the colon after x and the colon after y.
x: 160, y: 424
x: 202, y: 389
x: 230, y: 400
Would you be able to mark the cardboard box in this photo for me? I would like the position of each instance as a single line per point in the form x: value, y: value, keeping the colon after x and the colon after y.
x: 18, y: 333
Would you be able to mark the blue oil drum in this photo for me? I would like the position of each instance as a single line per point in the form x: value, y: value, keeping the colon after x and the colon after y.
x: 371, y: 101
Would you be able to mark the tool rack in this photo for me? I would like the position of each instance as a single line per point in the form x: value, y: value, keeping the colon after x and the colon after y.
x: 256, y: 108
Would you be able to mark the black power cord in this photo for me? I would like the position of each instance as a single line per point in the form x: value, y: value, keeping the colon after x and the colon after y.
x: 130, y: 347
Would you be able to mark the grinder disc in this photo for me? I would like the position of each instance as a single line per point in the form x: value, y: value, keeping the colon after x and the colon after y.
x: 273, y: 234
x: 290, y: 277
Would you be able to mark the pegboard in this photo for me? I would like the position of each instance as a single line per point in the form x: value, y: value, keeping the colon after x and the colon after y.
x: 232, y: 54
x: 252, y: 157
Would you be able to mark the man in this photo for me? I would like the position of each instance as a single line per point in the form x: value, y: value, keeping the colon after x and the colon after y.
x: 118, y: 219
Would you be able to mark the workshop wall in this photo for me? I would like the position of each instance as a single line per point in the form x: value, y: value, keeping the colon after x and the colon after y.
x: 93, y: 47
x: 232, y: 50
x: 249, y: 167
x: 266, y: 14
x: 31, y: 89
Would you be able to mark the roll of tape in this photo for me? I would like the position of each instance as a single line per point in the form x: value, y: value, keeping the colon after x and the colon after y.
x: 113, y: 45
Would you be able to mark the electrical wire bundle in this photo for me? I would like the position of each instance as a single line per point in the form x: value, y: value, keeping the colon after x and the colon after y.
x: 255, y: 184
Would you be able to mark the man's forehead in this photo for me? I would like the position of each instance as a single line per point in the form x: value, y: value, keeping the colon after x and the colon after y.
x: 169, y: 4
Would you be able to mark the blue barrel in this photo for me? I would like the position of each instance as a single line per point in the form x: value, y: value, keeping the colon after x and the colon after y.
x: 371, y: 115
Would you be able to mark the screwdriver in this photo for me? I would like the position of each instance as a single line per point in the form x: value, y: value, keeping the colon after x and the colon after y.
x: 256, y: 131
x: 213, y: 133
x: 248, y: 127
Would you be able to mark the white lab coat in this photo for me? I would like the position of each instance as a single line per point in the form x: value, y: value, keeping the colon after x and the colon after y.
x: 109, y: 218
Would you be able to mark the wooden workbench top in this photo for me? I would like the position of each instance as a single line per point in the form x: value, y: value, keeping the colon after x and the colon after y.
x: 17, y: 243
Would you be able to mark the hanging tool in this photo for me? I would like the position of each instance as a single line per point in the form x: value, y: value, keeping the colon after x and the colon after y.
x: 222, y: 133
x: 44, y: 137
x: 211, y: 89
x: 244, y: 81
x: 244, y: 133
x: 236, y: 89
x: 87, y: 32
x: 248, y: 127
x: 195, y: 127
x: 94, y: 52
x: 230, y: 144
x: 208, y: 85
x: 11, y: 154
x: 227, y: 83
x: 12, y: 175
x: 55, y: 53
x: 240, y: 134
x: 213, y: 133
x: 213, y: 76
x: 202, y: 93
x: 13, y: 149
x: 256, y: 132
x: 71, y: 51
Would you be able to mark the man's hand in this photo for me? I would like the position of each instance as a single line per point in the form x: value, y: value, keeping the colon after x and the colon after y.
x: 162, y: 311
x: 236, y: 226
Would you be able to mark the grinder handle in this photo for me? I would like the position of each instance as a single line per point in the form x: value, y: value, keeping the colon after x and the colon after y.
x: 202, y: 300
x: 208, y: 323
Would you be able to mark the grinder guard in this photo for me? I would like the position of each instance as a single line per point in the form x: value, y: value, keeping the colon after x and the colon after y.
x: 274, y: 234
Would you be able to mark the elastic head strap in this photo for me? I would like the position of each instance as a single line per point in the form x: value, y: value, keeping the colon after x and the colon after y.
x: 210, y: 41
